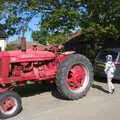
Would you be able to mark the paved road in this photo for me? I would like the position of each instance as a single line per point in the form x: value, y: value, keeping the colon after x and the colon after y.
x: 97, y: 105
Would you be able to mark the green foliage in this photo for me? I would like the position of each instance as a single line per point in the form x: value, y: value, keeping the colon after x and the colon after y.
x: 14, y: 16
x: 40, y: 36
x: 98, y: 32
x: 44, y: 38
x: 98, y: 19
x: 102, y: 23
x: 58, y: 38
x: 11, y: 47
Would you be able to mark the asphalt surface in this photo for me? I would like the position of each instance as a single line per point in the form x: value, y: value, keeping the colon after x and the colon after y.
x: 46, y: 105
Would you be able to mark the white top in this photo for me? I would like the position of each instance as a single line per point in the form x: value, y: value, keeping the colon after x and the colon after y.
x: 110, y: 69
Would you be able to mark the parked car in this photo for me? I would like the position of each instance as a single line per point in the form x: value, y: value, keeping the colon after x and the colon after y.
x: 101, y: 59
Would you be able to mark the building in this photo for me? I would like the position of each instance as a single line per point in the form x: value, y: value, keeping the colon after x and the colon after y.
x: 77, y: 43
x: 17, y: 44
x: 3, y: 43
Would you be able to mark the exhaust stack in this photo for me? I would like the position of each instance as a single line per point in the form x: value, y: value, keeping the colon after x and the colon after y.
x: 23, y: 42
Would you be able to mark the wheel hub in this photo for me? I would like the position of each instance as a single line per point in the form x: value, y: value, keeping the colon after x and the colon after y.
x: 8, y: 105
x: 76, y: 77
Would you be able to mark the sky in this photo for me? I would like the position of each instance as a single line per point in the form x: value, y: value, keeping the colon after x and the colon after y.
x: 33, y: 25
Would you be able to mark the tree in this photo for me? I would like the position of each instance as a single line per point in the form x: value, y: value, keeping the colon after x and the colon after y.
x: 40, y: 36
x: 103, y: 22
x: 15, y: 16
x: 45, y: 38
x: 55, y: 17
x: 98, y: 19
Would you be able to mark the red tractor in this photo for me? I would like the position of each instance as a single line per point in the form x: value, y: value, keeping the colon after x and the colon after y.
x: 72, y: 74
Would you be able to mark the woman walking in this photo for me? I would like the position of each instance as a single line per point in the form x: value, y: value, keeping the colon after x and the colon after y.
x: 109, y: 71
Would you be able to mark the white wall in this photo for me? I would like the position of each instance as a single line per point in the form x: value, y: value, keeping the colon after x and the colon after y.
x: 2, y: 44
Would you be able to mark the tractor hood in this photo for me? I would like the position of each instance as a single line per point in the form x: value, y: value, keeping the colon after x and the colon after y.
x: 29, y: 55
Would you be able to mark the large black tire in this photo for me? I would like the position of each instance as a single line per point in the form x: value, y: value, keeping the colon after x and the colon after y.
x: 14, y: 109
x: 62, y: 76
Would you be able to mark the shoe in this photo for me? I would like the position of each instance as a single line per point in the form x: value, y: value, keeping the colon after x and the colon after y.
x: 113, y: 90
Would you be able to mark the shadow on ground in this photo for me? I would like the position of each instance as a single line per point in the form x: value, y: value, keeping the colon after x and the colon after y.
x: 34, y: 89
x: 102, y: 80
x: 99, y: 88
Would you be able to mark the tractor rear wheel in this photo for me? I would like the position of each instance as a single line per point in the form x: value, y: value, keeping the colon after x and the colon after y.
x: 10, y: 104
x: 74, y: 77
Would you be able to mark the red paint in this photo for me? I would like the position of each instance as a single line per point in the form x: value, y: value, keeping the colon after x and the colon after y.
x: 17, y: 66
x: 2, y: 89
x: 7, y: 104
x: 76, y: 77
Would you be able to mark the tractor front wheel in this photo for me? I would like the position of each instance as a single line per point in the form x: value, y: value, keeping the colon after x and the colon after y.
x: 10, y: 104
x: 74, y: 77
